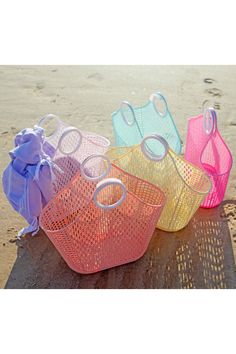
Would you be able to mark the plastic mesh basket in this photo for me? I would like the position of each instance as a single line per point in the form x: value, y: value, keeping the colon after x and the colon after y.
x: 100, y: 225
x: 184, y: 184
x: 206, y: 149
x: 69, y: 147
x: 131, y: 125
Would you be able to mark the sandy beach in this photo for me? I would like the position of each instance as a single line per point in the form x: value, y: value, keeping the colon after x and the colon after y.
x: 85, y: 96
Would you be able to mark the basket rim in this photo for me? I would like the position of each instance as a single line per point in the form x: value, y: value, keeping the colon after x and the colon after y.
x: 90, y: 200
x: 172, y: 153
x: 87, y: 135
x: 168, y: 114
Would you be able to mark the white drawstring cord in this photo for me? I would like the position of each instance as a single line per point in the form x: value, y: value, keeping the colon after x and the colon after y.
x: 47, y: 160
x: 32, y: 228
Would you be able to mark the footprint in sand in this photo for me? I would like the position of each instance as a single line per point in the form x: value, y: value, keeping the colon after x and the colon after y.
x: 14, y: 130
x: 209, y: 81
x: 208, y: 103
x: 215, y: 92
x: 95, y: 76
x: 216, y: 105
x: 39, y: 87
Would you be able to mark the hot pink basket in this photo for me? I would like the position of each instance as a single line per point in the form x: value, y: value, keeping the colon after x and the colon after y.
x: 69, y: 147
x: 206, y: 148
x: 96, y: 226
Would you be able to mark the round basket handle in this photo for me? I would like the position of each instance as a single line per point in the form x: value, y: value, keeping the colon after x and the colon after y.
x: 209, y: 121
x: 159, y: 96
x: 49, y: 117
x: 105, y: 183
x: 127, y: 104
x: 149, y: 154
x: 97, y: 178
x: 66, y: 132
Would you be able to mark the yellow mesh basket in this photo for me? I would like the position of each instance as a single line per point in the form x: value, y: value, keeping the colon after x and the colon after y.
x: 184, y: 184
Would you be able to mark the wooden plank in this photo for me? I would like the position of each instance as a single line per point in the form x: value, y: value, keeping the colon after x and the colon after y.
x: 199, y: 256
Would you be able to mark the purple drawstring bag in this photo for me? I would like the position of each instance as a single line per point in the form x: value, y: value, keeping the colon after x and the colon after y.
x: 27, y: 180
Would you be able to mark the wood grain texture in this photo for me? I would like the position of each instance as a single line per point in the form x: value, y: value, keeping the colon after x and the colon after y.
x: 199, y: 256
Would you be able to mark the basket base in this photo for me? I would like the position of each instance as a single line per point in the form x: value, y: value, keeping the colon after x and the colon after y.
x: 75, y: 269
x: 210, y: 207
x: 212, y: 173
x: 170, y: 230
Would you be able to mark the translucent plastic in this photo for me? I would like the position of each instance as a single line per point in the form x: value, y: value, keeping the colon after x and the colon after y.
x: 96, y: 226
x: 68, y: 147
x: 206, y: 148
x: 184, y: 184
x: 131, y: 125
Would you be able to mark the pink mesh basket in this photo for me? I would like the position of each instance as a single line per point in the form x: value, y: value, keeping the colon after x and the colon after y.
x: 206, y: 148
x: 68, y: 147
x: 98, y: 225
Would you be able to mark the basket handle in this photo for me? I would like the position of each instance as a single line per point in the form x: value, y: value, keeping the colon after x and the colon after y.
x: 148, y: 153
x: 127, y: 104
x: 97, y: 178
x: 105, y: 183
x: 158, y: 96
x: 209, y: 121
x: 66, y: 132
x: 49, y: 117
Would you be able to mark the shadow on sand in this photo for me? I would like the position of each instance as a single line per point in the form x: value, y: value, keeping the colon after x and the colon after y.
x: 199, y: 256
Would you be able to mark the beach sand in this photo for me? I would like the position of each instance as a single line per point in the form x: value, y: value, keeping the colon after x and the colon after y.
x: 85, y: 96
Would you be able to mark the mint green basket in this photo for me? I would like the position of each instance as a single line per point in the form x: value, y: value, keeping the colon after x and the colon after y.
x: 131, y: 125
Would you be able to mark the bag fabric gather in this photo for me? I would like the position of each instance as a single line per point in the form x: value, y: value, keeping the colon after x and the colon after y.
x: 27, y: 180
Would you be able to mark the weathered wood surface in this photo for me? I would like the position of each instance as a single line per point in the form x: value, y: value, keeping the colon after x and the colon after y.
x: 199, y: 256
